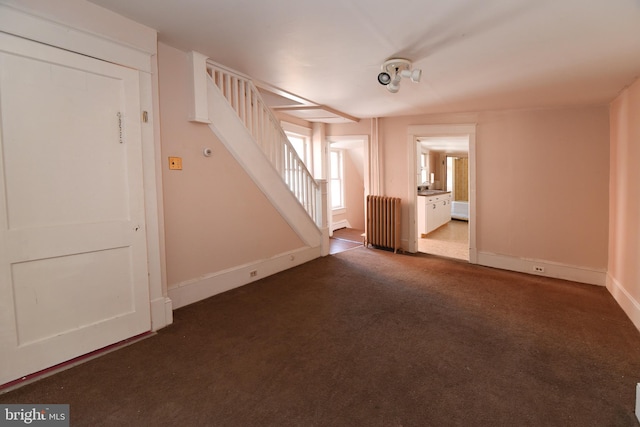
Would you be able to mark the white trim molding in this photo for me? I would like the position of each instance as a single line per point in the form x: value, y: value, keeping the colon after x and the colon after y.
x: 551, y: 269
x: 294, y: 128
x: 81, y: 27
x: 198, y: 102
x: 161, y: 313
x: 191, y: 291
x: 340, y: 224
x: 624, y: 299
x: 638, y: 401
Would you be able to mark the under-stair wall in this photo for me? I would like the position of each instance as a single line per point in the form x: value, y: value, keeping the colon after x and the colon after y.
x: 266, y: 155
x: 239, y: 142
x: 209, y: 250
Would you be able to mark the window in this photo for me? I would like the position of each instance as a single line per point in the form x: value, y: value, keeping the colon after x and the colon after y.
x: 424, y: 167
x: 300, y: 139
x: 450, y: 173
x: 337, y: 180
x: 299, y: 144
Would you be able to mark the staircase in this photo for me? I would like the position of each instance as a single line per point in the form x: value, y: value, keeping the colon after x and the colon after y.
x: 240, y: 118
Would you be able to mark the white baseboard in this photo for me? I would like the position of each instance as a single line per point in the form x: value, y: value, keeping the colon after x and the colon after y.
x: 551, y: 269
x: 625, y: 300
x: 340, y: 224
x: 638, y: 401
x: 161, y: 313
x: 191, y: 291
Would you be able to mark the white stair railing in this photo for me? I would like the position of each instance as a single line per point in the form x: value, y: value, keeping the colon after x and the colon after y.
x: 264, y: 127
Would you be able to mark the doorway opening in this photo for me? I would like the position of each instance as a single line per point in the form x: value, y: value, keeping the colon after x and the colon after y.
x: 442, y: 187
x: 450, y: 236
x: 348, y: 175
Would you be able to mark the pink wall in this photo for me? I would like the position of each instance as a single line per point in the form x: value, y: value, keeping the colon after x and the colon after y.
x: 215, y: 216
x: 542, y: 185
x: 624, y: 222
x: 541, y: 180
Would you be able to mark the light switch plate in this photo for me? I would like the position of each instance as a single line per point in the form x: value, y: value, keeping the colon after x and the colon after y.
x: 175, y: 163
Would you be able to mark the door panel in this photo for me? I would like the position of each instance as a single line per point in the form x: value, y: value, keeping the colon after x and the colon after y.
x: 82, y: 140
x: 73, y: 260
x: 46, y: 292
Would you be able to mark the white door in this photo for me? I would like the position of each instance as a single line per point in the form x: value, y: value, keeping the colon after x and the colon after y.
x: 73, y: 256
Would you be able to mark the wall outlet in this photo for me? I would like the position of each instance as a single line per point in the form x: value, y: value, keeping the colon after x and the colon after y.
x: 253, y: 273
x: 538, y: 269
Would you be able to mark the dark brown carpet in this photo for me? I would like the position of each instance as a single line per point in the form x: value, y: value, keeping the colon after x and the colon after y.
x: 370, y: 338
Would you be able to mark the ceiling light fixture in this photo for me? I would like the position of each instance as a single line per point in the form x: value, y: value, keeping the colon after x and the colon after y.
x: 393, y: 70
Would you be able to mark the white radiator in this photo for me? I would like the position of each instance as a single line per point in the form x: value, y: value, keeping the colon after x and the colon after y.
x: 460, y: 210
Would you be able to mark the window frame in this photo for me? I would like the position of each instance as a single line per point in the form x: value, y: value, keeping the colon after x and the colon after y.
x: 297, y: 131
x: 340, y: 179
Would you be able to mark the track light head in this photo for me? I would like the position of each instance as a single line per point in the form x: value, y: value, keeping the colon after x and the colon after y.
x: 384, y: 78
x: 414, y: 74
x: 393, y: 88
x: 394, y: 85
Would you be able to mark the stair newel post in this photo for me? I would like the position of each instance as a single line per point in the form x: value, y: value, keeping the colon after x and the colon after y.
x: 322, y: 219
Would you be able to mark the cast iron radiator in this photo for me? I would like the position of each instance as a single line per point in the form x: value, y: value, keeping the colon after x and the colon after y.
x: 383, y: 222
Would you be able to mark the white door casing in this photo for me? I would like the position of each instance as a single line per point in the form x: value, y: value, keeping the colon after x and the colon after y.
x: 73, y: 255
x: 413, y: 150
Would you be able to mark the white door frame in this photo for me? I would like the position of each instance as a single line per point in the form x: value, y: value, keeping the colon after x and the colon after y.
x: 417, y: 131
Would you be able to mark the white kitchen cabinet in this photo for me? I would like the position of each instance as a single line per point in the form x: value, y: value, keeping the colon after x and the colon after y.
x: 433, y: 212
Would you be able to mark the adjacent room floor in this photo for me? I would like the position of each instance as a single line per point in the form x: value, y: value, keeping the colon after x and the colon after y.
x: 451, y: 240
x: 345, y: 239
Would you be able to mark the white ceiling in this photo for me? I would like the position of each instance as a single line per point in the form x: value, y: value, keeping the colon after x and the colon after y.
x: 475, y: 55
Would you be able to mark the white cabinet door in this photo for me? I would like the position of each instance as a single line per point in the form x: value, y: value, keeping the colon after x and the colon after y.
x: 432, y: 217
x: 422, y: 216
x: 442, y: 212
x: 446, y: 209
x: 73, y: 255
x: 438, y: 211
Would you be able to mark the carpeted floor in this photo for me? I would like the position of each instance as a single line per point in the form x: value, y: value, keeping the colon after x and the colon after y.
x: 370, y: 338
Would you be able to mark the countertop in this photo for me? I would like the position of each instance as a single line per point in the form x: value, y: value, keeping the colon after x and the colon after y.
x: 432, y: 192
